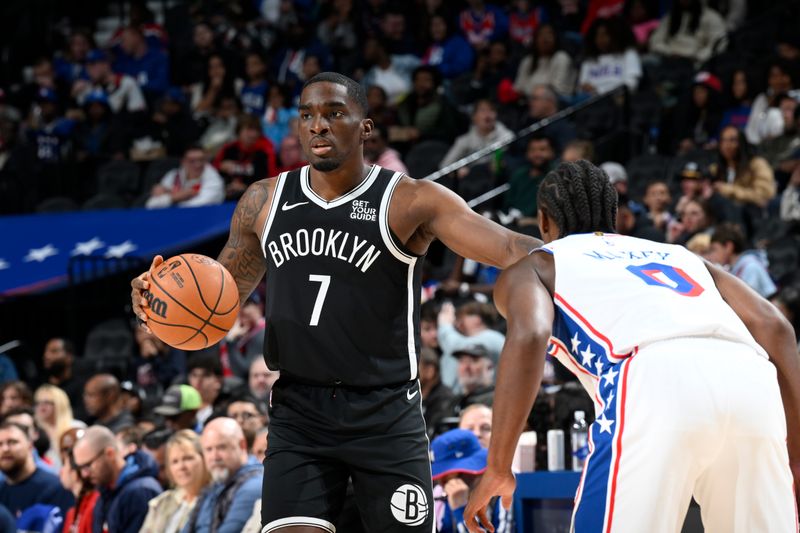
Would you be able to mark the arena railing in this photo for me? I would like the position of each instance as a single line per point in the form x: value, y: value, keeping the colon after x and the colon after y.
x: 620, y: 92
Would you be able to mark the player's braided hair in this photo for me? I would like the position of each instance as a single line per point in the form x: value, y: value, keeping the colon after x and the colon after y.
x: 580, y: 198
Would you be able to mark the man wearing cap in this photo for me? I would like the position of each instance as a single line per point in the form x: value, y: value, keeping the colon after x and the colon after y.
x: 123, y: 92
x: 470, y: 324
x: 458, y: 460
x: 617, y: 175
x: 475, y: 376
x: 179, y: 407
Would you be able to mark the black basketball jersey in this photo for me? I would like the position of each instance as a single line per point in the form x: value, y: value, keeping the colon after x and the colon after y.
x: 342, y: 303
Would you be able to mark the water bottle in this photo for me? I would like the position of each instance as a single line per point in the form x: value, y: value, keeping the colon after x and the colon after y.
x: 580, y: 441
x: 555, y: 450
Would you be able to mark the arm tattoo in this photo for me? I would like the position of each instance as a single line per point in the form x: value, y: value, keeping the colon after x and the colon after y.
x: 241, y: 254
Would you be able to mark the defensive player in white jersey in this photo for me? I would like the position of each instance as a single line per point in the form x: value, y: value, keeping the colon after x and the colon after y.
x: 695, y: 377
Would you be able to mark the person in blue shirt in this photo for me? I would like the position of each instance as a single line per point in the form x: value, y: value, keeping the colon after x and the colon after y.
x: 458, y: 460
x: 253, y: 94
x: 126, y: 483
x: 449, y: 52
x: 147, y: 65
x: 728, y: 248
x: 227, y: 504
x: 25, y: 484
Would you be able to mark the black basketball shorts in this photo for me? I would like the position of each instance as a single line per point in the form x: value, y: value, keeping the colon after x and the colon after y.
x: 321, y: 436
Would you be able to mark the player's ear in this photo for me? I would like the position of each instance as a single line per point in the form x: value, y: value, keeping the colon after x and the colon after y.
x: 366, y: 129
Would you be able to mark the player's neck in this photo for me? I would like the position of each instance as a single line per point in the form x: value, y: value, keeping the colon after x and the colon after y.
x: 331, y: 185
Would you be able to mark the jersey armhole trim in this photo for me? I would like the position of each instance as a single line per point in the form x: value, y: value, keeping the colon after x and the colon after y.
x: 383, y: 222
x: 273, y: 206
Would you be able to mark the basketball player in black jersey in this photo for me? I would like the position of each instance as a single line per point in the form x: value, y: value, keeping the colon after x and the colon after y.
x: 341, y: 244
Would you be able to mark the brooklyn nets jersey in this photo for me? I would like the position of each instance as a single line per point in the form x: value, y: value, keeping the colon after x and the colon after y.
x: 342, y: 303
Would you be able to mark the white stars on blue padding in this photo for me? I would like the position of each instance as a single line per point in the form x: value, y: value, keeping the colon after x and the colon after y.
x: 120, y: 250
x: 88, y: 247
x: 40, y: 254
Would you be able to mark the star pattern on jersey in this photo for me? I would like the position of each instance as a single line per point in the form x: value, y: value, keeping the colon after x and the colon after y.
x: 605, y: 423
x: 610, y: 376
x: 599, y: 366
x: 588, y: 355
x: 40, y: 254
x: 88, y: 247
x: 120, y: 250
x: 4, y: 264
x: 576, y: 343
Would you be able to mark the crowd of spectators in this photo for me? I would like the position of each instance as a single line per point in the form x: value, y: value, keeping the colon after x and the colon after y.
x: 180, y: 437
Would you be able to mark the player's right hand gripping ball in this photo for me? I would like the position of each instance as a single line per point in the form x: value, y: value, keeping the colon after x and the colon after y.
x: 193, y: 301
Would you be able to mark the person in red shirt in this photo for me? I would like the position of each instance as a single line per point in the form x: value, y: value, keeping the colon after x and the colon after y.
x: 251, y: 157
x: 79, y: 518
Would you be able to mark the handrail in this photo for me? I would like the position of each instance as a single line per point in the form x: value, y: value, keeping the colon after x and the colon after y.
x: 536, y: 126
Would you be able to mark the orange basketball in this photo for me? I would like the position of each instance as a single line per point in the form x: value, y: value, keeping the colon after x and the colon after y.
x: 193, y: 301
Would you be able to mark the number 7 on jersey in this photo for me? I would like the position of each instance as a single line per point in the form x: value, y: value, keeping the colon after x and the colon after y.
x: 325, y: 282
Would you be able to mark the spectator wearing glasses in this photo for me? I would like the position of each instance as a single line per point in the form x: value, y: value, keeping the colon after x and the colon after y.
x: 126, y: 484
x: 251, y: 415
x: 79, y: 517
x: 25, y: 484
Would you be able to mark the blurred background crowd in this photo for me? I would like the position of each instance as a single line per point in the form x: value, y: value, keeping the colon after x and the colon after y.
x: 692, y: 107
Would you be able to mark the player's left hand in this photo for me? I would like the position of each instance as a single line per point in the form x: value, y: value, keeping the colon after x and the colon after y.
x: 493, y: 483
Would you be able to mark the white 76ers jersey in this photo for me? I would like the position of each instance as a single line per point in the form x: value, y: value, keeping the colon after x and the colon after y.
x: 614, y: 295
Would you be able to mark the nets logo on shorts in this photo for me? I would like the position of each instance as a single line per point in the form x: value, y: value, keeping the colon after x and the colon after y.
x: 409, y: 505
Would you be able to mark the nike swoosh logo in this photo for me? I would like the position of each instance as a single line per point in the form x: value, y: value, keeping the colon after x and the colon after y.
x: 411, y: 395
x: 287, y: 206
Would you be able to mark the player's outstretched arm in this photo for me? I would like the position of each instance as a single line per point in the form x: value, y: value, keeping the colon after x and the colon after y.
x: 467, y: 233
x: 242, y: 253
x: 775, y: 334
x: 522, y: 297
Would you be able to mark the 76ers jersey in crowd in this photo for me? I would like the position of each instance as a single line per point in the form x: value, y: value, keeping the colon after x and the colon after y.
x: 342, y: 304
x: 614, y: 295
